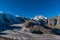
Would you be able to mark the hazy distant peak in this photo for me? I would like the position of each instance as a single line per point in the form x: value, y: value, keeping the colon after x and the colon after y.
x: 1, y: 12
x: 17, y: 16
x: 59, y: 15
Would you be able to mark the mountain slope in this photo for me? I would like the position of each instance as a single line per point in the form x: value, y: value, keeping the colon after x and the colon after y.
x: 8, y: 18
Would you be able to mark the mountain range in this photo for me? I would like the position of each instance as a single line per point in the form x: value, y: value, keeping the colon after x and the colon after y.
x: 37, y: 21
x: 37, y: 25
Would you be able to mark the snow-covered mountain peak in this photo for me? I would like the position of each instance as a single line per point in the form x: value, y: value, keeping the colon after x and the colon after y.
x: 17, y: 16
x: 39, y: 17
x: 1, y: 12
x: 59, y: 15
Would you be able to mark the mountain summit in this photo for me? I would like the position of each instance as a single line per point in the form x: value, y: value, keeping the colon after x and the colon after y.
x: 39, y: 17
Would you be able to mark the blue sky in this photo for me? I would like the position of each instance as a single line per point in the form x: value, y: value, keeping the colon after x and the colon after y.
x: 30, y: 8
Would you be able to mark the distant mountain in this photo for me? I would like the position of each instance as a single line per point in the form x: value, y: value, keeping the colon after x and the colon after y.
x: 39, y: 17
x: 8, y: 18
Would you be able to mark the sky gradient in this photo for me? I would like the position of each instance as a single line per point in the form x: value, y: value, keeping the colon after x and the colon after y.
x: 30, y: 8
